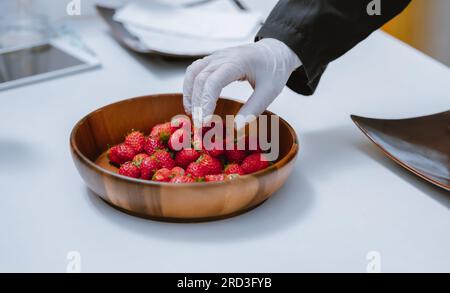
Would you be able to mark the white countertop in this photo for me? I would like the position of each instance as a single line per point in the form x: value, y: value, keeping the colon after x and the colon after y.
x: 343, y: 200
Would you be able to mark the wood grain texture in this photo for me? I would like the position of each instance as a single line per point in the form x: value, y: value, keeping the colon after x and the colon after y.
x: 104, y: 127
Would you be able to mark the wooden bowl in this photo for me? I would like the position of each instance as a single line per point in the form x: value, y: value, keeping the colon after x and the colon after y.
x: 106, y: 126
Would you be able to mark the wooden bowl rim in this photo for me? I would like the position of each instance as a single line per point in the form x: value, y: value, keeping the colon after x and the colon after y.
x: 292, y: 153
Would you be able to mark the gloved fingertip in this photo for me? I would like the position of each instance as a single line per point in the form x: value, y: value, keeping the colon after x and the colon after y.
x: 242, y: 119
x: 207, y: 118
x: 239, y: 122
x: 197, y: 116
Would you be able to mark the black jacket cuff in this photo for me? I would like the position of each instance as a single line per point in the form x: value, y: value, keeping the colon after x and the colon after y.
x: 305, y: 79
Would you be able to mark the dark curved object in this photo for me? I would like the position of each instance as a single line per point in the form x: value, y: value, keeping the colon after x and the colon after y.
x: 421, y: 144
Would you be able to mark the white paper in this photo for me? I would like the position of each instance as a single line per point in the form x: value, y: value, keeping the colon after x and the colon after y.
x: 182, y: 45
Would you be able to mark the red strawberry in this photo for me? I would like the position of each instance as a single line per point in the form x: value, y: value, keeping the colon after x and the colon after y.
x: 162, y: 131
x: 184, y: 157
x: 162, y: 175
x: 120, y: 154
x: 215, y: 152
x: 164, y: 159
x: 137, y: 160
x: 176, y: 141
x: 215, y: 147
x: 130, y: 170
x: 182, y: 179
x: 215, y: 178
x: 196, y: 170
x: 211, y: 165
x: 135, y: 140
x: 148, y: 168
x: 252, y: 144
x: 234, y: 169
x: 235, y: 155
x: 176, y: 172
x: 152, y: 144
x: 254, y: 163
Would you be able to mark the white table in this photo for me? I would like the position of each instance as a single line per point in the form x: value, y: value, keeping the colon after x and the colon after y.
x: 344, y: 198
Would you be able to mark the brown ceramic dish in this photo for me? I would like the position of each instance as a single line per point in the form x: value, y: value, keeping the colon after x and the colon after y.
x: 164, y: 201
x: 421, y: 145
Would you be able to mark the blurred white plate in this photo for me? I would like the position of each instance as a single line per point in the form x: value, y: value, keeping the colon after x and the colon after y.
x: 203, y: 22
x: 182, y: 45
x: 153, y: 42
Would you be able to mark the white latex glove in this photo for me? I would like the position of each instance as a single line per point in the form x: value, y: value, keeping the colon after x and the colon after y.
x: 266, y: 64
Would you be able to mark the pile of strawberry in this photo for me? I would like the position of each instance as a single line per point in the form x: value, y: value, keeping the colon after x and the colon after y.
x: 153, y: 157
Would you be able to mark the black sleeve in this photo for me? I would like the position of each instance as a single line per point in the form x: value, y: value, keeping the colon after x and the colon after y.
x: 320, y: 31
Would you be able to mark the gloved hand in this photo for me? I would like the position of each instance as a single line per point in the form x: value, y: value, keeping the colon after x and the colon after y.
x: 266, y: 64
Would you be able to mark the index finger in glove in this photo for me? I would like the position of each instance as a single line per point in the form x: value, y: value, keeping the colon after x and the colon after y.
x: 206, y: 96
x: 188, y: 85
